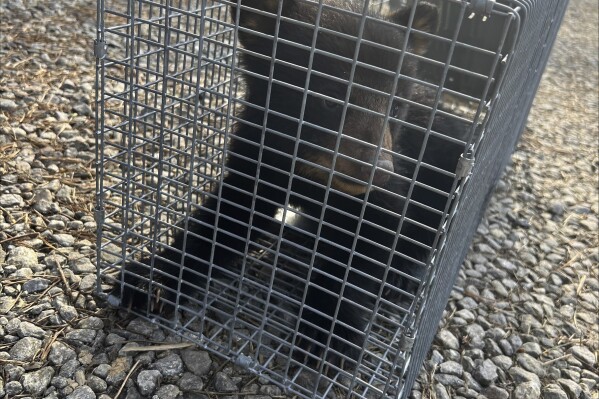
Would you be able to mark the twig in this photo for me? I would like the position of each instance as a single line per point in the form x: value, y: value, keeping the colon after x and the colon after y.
x: 126, y: 379
x: 581, y: 284
x: 18, y: 237
x: 557, y: 359
x: 67, y: 287
x: 40, y: 296
x: 157, y: 348
x: 64, y: 159
x: 52, y: 340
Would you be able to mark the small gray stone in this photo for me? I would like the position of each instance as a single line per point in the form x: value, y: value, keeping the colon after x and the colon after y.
x: 27, y: 329
x: 80, y: 336
x: 87, y: 283
x: 572, y: 389
x: 132, y: 393
x: 147, y: 381
x: 12, y: 388
x: 190, y: 382
x: 467, y: 303
x: 527, y: 390
x: 67, y: 85
x: 553, y: 391
x: 66, y: 311
x: 8, y: 105
x: 198, y: 362
x: 516, y: 341
x: 92, y: 323
x: 97, y: 384
x: 491, y: 348
x: 449, y: 380
x: 83, y: 109
x: 451, y: 367
x: 169, y: 366
x: 534, y: 309
x: 467, y: 392
x: 118, y: 370
x: 271, y: 390
x: 82, y: 392
x: 25, y: 349
x: 506, y: 265
x: 46, y: 207
x: 113, y: 339
x: 59, y: 382
x: 495, y: 392
x: 56, y: 225
x: 476, y: 335
x: 441, y: 392
x: 447, y: 340
x: 486, y: 373
x: 557, y: 208
x: 82, y: 265
x: 64, y: 240
x: 503, y: 362
x: 520, y: 375
x: 224, y: 383
x: 532, y: 348
x: 101, y: 370
x: 466, y: 315
x: 498, y: 319
x: 60, y: 353
x: 169, y: 391
x: 43, y: 194
x: 8, y: 200
x: 531, y: 364
x: 141, y: 327
x: 69, y: 368
x: 571, y: 375
x: 22, y: 257
x: 583, y: 354
x: 65, y: 195
x: 36, y: 382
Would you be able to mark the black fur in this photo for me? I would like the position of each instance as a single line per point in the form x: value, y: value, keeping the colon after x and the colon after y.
x: 366, y: 153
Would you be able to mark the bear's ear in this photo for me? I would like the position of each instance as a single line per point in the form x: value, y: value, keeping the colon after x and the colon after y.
x: 254, y: 20
x: 426, y: 19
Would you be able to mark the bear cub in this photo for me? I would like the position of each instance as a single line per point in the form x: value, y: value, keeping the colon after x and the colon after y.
x: 319, y: 131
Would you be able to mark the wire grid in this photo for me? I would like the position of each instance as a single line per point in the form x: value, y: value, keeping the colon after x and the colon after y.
x: 170, y: 93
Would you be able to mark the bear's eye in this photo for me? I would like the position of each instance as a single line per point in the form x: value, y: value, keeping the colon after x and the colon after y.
x: 331, y: 105
x: 394, y: 110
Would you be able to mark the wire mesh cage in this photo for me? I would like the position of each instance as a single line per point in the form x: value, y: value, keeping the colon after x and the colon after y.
x: 293, y: 184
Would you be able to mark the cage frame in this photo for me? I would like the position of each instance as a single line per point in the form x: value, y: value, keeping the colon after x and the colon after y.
x: 414, y: 339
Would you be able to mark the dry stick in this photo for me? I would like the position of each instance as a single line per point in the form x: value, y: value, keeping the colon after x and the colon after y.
x: 581, y: 284
x: 65, y: 159
x: 126, y: 379
x: 557, y: 359
x: 40, y: 296
x: 14, y: 302
x: 67, y: 288
x: 19, y: 237
x: 157, y: 348
x: 52, y: 340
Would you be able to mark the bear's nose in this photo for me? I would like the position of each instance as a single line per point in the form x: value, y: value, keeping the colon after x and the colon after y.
x: 381, y: 173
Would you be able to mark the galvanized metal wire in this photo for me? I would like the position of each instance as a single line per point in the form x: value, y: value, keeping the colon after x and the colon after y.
x: 170, y: 91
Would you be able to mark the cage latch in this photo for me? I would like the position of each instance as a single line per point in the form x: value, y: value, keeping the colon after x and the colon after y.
x: 465, y: 164
x: 244, y: 362
x: 100, y: 49
x: 407, y: 341
x: 481, y: 7
x: 99, y: 216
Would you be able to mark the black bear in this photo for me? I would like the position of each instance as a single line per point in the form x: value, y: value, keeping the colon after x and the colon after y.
x: 316, y: 132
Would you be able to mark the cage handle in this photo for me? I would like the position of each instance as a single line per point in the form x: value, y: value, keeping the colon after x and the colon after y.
x: 482, y: 7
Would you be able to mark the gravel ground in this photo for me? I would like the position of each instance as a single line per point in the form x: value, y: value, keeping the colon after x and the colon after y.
x: 521, y: 323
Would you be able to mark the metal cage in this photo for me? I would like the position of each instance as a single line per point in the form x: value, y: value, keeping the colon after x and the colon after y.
x: 176, y: 108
